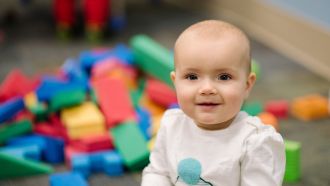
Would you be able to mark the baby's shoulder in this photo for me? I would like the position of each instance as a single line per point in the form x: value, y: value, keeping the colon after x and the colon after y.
x: 261, y: 133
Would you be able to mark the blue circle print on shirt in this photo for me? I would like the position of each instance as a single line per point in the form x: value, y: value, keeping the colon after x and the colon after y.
x: 189, y: 171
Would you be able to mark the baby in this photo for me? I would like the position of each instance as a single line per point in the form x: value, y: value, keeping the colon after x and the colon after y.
x: 209, y: 141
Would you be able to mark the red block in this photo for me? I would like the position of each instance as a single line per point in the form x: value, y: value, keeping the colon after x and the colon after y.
x: 94, y: 143
x: 69, y: 151
x: 114, y: 100
x: 16, y: 84
x: 160, y: 93
x: 50, y: 130
x: 278, y: 108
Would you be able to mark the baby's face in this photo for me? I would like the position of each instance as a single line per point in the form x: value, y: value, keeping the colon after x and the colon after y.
x: 211, y: 79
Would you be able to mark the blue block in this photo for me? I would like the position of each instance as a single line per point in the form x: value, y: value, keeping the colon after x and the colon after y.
x: 124, y: 53
x: 54, y: 152
x: 10, y: 108
x: 96, y: 159
x: 89, y: 58
x: 80, y: 163
x: 32, y: 152
x: 28, y: 140
x: 144, y: 121
x: 74, y: 72
x: 67, y: 179
x: 113, y: 164
x: 51, y: 86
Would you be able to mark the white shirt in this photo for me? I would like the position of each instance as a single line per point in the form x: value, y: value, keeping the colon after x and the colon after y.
x: 247, y: 153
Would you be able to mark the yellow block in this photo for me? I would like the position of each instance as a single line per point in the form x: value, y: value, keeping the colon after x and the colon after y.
x: 83, y: 120
x: 30, y: 99
x: 155, y: 124
x: 85, y: 131
x: 151, y: 143
x: 84, y: 114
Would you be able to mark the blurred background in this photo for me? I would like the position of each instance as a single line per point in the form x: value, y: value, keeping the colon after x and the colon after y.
x: 290, y: 48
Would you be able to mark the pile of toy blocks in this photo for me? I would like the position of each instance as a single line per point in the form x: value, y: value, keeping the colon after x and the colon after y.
x: 99, y: 113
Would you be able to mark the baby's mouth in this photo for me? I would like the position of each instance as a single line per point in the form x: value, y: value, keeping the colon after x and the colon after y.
x: 208, y: 104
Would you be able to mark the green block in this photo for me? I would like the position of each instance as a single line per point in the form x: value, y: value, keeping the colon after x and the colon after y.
x: 255, y: 67
x: 137, y: 94
x: 40, y: 110
x: 66, y: 99
x: 14, y: 129
x: 253, y: 108
x: 153, y: 58
x: 17, y: 167
x: 292, y: 168
x: 131, y: 144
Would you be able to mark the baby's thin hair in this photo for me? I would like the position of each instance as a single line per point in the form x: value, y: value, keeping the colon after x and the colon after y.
x: 216, y: 29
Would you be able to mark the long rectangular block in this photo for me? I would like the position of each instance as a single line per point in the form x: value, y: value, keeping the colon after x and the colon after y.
x: 153, y: 58
x: 10, y: 108
x: 131, y: 145
x: 14, y: 129
x: 114, y: 100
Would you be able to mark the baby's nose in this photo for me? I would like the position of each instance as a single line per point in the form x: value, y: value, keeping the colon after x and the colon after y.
x: 207, y: 87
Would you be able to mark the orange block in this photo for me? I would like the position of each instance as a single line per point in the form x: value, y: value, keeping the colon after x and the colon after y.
x: 269, y: 119
x: 151, y: 106
x: 310, y: 107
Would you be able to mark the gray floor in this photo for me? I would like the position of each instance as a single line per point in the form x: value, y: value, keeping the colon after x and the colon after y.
x: 31, y: 46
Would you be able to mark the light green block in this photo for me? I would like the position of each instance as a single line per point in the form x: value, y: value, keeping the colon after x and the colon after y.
x: 253, y: 108
x: 131, y: 145
x: 153, y: 58
x: 292, y: 169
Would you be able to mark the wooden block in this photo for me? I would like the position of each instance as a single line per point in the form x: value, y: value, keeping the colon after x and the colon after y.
x: 310, y: 107
x: 269, y: 119
x: 131, y: 145
x: 160, y: 93
x: 14, y: 129
x: 278, y: 108
x: 114, y: 100
x: 153, y: 58
x: 12, y: 167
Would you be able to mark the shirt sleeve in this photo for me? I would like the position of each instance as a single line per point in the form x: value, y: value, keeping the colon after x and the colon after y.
x: 264, y: 160
x: 156, y: 173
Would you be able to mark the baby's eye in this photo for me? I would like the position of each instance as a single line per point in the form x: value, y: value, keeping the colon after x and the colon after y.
x: 224, y: 77
x: 191, y: 76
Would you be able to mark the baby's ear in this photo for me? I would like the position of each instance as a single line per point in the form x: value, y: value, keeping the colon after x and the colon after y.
x: 249, y: 83
x: 172, y: 75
